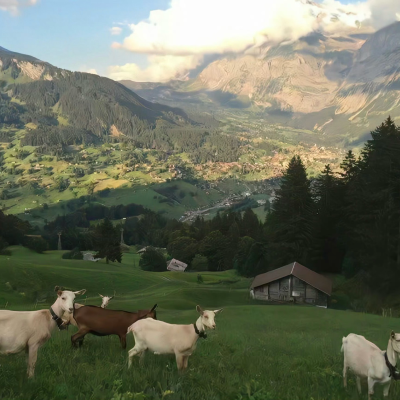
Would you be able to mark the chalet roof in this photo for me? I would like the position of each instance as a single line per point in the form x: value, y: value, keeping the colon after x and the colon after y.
x: 299, y: 271
x: 177, y: 262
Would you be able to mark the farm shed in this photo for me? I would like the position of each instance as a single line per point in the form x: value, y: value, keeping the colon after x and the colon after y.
x: 292, y: 283
x: 176, y: 265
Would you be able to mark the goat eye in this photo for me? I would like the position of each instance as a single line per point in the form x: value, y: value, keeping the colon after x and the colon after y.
x: 63, y: 298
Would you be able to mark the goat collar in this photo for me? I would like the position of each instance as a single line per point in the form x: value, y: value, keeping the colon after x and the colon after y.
x: 392, y: 369
x: 201, y: 334
x: 58, y: 320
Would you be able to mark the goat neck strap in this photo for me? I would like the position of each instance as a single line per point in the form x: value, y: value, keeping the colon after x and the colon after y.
x: 58, y: 320
x: 392, y: 369
x: 201, y: 334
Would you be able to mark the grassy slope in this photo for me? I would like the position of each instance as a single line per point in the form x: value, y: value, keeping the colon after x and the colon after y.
x: 290, y: 352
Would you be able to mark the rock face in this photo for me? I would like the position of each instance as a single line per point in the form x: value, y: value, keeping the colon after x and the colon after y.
x: 347, y: 82
x: 372, y: 85
x: 302, y: 77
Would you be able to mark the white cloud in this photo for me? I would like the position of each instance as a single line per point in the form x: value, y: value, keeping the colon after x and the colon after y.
x: 84, y: 68
x: 384, y: 12
x: 178, y: 38
x: 115, y: 30
x: 13, y: 6
x: 160, y: 69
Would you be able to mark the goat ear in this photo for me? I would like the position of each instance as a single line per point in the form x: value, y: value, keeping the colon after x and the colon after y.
x: 199, y: 310
x: 101, y: 295
x: 218, y: 311
x: 154, y: 307
x: 393, y: 335
x: 56, y: 288
x: 59, y: 293
x: 83, y: 291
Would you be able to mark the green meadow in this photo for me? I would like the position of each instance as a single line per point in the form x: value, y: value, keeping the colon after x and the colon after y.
x: 257, y: 352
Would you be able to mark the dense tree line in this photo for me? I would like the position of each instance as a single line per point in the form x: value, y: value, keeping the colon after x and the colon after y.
x: 95, y: 103
x: 96, y: 106
x: 345, y: 223
x: 9, y: 112
x: 12, y: 230
x: 50, y: 136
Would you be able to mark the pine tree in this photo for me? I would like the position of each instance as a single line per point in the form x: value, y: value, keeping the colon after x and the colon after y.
x: 349, y: 166
x: 289, y: 225
x: 250, y: 225
x: 106, y: 242
x: 328, y: 252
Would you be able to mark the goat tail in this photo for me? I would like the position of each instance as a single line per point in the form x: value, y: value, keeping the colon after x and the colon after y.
x: 130, y: 329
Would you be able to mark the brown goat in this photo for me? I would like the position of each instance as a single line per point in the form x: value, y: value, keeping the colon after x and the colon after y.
x: 103, y: 322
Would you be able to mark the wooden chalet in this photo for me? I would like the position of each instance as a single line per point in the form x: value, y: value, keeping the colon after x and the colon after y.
x: 292, y: 283
x: 176, y: 265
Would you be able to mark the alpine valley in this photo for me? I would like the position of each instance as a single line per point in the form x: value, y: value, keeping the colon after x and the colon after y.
x: 216, y: 139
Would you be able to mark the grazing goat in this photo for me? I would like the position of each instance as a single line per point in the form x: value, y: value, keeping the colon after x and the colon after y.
x: 103, y: 322
x: 366, y: 360
x: 68, y: 318
x: 28, y: 330
x: 105, y: 300
x: 162, y: 338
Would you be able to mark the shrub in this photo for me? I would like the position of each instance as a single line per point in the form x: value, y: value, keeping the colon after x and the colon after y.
x: 5, y: 252
x: 104, y: 192
x: 199, y: 263
x: 74, y: 254
x: 152, y: 260
x: 37, y: 244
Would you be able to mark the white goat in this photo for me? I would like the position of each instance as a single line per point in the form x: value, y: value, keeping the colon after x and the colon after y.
x: 366, y: 360
x: 28, y: 330
x: 162, y: 338
x: 68, y: 318
x: 105, y: 300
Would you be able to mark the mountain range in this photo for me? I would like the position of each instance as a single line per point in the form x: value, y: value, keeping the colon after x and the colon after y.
x: 341, y: 85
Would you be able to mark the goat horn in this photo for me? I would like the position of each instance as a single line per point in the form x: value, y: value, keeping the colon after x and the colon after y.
x: 154, y: 307
x: 56, y: 288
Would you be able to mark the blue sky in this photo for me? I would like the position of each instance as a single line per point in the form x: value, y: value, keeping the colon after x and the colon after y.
x: 74, y: 34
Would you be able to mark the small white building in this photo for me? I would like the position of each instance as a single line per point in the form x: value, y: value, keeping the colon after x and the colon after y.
x: 176, y: 265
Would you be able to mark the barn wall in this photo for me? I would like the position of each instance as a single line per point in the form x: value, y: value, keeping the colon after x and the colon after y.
x: 290, y: 288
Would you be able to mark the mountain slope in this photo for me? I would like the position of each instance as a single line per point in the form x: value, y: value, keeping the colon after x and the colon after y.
x: 88, y: 101
x: 341, y: 85
x: 372, y: 84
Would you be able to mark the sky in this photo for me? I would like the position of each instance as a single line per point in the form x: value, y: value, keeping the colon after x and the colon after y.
x: 159, y: 40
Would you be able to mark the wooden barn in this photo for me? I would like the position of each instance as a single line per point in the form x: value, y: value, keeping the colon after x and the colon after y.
x: 292, y: 283
x: 176, y: 265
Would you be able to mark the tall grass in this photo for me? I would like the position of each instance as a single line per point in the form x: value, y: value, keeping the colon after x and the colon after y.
x: 257, y: 352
